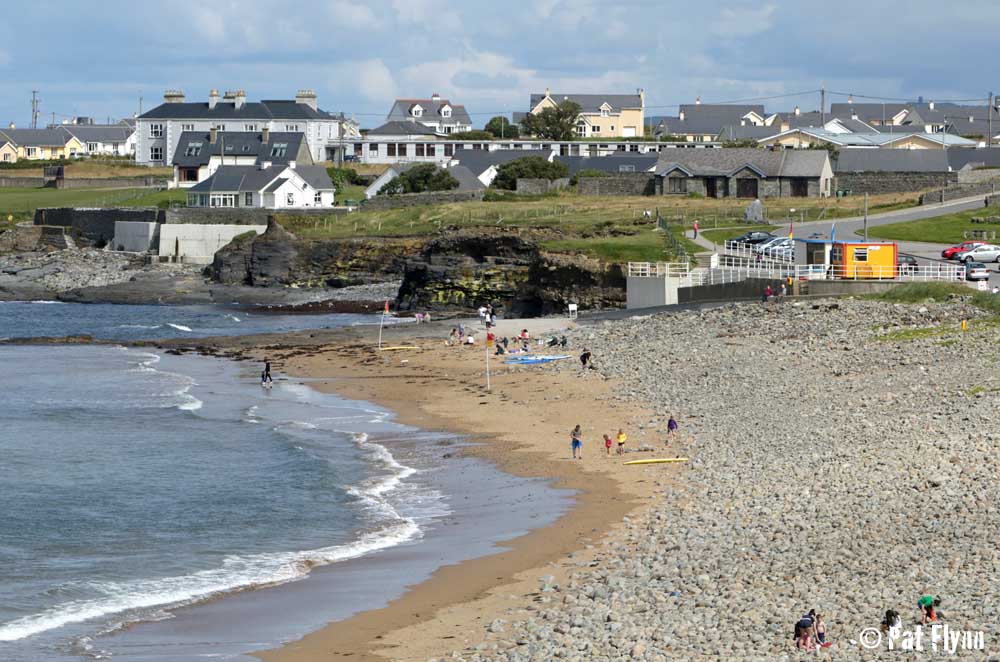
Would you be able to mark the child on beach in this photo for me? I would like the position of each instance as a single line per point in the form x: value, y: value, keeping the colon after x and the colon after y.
x: 820, y: 627
x: 607, y: 444
x: 621, y: 441
x: 671, y: 428
x: 452, y: 337
x: 928, y: 605
x: 576, y: 437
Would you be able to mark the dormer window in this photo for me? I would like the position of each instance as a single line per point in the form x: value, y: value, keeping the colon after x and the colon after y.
x: 193, y: 149
x: 279, y: 149
x: 417, y: 111
x: 605, y: 110
x: 446, y: 111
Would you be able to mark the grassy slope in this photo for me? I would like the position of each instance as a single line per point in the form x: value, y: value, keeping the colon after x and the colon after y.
x: 22, y: 202
x: 946, y: 229
x: 96, y: 170
x: 721, y: 235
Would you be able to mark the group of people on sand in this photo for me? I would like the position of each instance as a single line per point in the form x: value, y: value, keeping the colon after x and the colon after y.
x: 810, y: 630
x: 422, y: 318
x: 576, y: 439
x: 488, y: 315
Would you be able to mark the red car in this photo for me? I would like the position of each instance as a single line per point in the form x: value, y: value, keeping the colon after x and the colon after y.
x: 950, y: 253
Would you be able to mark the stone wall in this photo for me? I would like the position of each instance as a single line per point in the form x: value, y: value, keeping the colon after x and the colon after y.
x: 136, y: 236
x: 414, y: 199
x: 635, y: 183
x: 197, y: 244
x: 526, y: 186
x: 958, y: 191
x: 217, y: 216
x: 993, y: 200
x: 22, y: 182
x: 978, y: 176
x: 875, y: 183
x: 94, y: 226
x: 120, y: 182
x: 20, y: 238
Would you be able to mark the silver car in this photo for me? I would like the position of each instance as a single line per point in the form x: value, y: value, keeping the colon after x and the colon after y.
x: 983, y: 253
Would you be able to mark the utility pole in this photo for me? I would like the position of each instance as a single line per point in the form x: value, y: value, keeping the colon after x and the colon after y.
x: 34, y: 109
x: 866, y: 217
x: 989, y: 117
x: 53, y: 118
x: 822, y: 103
x: 140, y: 105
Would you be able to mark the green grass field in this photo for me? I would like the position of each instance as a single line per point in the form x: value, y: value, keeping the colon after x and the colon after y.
x: 946, y: 229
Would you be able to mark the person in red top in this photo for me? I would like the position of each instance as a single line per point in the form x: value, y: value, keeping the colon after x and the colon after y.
x: 696, y: 229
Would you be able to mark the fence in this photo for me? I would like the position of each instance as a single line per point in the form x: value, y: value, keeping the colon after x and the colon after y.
x: 748, y: 251
x: 731, y: 270
x: 676, y: 247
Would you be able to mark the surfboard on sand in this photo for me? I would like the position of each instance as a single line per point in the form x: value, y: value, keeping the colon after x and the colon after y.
x: 661, y: 460
x: 390, y: 349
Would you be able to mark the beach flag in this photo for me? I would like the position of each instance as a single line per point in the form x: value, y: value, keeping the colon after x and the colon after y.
x: 791, y: 229
x: 833, y: 232
x: 386, y: 306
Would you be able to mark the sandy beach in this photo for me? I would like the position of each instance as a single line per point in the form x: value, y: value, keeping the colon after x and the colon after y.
x: 522, y: 425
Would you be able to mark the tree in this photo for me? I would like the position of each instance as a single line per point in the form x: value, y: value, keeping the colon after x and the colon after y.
x: 557, y: 123
x: 471, y: 135
x: 500, y: 127
x: 527, y: 167
x: 420, y: 179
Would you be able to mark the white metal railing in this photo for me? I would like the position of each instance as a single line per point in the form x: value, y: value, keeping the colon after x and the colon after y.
x: 735, y: 269
x: 740, y: 249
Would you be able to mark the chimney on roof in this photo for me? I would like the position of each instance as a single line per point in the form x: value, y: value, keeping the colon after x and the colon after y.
x: 213, y: 135
x: 850, y: 98
x: 173, y: 96
x: 241, y: 99
x: 797, y: 111
x: 930, y: 105
x: 854, y: 115
x: 306, y: 97
x: 680, y: 116
x: 213, y: 98
x: 229, y: 96
x: 971, y: 118
x: 435, y: 97
x: 548, y: 92
x: 642, y: 97
x: 697, y: 101
x: 265, y: 135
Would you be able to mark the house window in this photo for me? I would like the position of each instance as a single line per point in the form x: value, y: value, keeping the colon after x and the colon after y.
x: 604, y: 112
x: 249, y: 127
x: 30, y: 152
x: 292, y: 127
x: 91, y: 147
x: 188, y: 174
x: 248, y: 199
x: 581, y: 129
x: 6, y: 156
x: 420, y: 149
x: 223, y: 200
x: 290, y: 199
x: 401, y: 149
x: 448, y: 129
x: 155, y: 153
x: 359, y: 149
x: 193, y: 149
x: 373, y: 149
x: 596, y: 129
x: 318, y: 199
x: 220, y: 127
x: 861, y: 254
x: 677, y: 185
x: 187, y: 127
x: 626, y: 168
x: 279, y: 150
x: 418, y: 111
x: 155, y: 130
x: 390, y: 149
x: 449, y: 150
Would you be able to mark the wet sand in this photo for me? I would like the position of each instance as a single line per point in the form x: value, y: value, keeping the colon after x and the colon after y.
x: 522, y: 425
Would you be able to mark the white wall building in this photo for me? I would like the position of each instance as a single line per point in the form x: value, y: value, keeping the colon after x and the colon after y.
x: 159, y: 130
x: 264, y: 186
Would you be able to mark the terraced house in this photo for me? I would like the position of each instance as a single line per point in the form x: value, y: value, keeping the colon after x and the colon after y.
x: 158, y: 131
x: 439, y: 115
x: 601, y: 115
x: 38, y: 144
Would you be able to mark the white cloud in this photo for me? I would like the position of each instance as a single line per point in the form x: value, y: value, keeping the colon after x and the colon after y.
x: 371, y: 77
x: 744, y: 22
x: 353, y: 15
x: 433, y: 14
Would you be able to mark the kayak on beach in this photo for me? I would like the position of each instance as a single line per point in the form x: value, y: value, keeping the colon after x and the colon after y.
x: 390, y: 349
x: 533, y: 359
x: 658, y: 460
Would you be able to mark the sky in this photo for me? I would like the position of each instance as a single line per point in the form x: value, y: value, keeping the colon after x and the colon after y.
x: 98, y: 57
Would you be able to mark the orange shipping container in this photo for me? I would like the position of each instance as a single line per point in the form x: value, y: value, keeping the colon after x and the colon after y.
x: 863, y: 260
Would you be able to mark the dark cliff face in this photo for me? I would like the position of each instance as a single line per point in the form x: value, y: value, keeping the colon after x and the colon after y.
x: 460, y: 269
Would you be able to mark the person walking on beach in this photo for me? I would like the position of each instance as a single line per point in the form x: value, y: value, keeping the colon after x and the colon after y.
x: 576, y: 440
x: 482, y: 314
x: 461, y: 333
x: 621, y: 438
x: 265, y: 376
x: 671, y: 428
x: 585, y: 357
x: 696, y: 229
x: 928, y: 605
x: 607, y: 444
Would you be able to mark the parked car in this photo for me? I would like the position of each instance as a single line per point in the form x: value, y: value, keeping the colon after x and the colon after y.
x: 753, y: 237
x: 782, y: 248
x: 981, y: 253
x: 950, y: 252
x: 907, y: 264
x: 761, y: 247
x: 976, y: 271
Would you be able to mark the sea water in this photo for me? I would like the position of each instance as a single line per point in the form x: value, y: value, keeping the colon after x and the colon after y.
x: 136, y: 486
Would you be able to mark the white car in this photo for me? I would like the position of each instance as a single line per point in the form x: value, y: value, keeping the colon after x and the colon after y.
x: 762, y: 247
x: 983, y: 253
x: 976, y: 271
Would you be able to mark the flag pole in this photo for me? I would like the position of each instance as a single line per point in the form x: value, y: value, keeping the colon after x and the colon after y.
x: 489, y: 344
x: 381, y: 322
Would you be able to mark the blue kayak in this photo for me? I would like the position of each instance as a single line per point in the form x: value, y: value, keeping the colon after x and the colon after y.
x: 533, y: 360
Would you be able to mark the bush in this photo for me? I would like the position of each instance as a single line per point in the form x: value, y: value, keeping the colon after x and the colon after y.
x: 586, y: 172
x: 471, y: 135
x: 342, y: 177
x: 25, y: 164
x: 421, y: 179
x: 527, y: 167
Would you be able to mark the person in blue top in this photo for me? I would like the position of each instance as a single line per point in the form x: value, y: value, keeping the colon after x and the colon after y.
x: 671, y: 428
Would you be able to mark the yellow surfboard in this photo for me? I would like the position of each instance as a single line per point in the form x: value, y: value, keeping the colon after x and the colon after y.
x: 658, y: 460
x: 390, y: 349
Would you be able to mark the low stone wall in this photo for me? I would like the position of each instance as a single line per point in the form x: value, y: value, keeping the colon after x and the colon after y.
x: 136, y: 236
x: 635, y: 183
x: 993, y: 200
x: 20, y: 238
x: 526, y: 186
x: 217, y: 215
x: 959, y: 191
x: 120, y: 182
x: 414, y: 199
x: 875, y: 183
x: 22, y: 182
x: 96, y: 226
x: 978, y: 176
x: 197, y: 244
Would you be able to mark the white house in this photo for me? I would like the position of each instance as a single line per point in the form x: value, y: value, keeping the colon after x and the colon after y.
x: 440, y: 115
x: 159, y: 130
x: 200, y: 154
x: 264, y: 186
x: 103, y: 139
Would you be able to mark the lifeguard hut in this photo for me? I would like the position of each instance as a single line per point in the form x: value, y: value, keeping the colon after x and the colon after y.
x: 862, y: 259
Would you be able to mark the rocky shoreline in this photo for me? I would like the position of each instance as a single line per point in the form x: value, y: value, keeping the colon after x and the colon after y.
x: 843, y: 459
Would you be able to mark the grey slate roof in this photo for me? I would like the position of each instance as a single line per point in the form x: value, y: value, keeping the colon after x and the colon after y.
x: 226, y: 110
x: 748, y: 132
x: 610, y: 164
x: 479, y: 160
x: 866, y: 112
x: 36, y: 137
x: 275, y: 185
x: 316, y: 176
x: 240, y: 179
x: 100, y: 133
x: 402, y: 128
x: 709, y: 119
x: 237, y: 143
x: 724, y: 162
x: 892, y: 160
x: 400, y: 111
x: 972, y: 158
x: 591, y: 103
x: 467, y: 180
